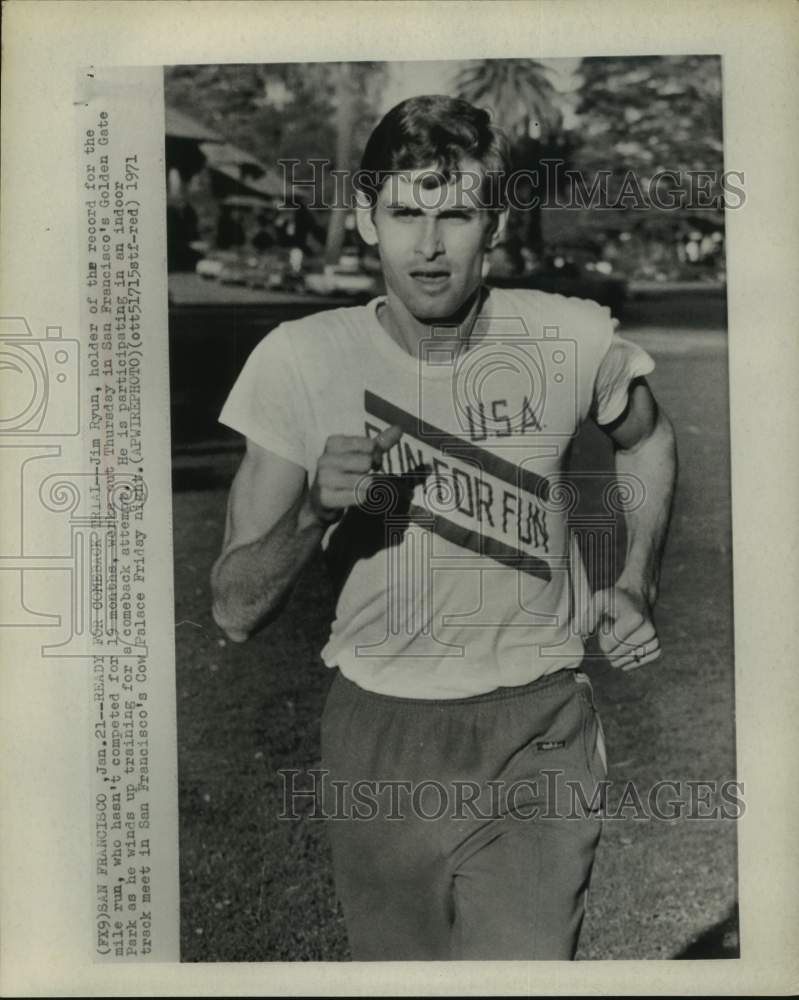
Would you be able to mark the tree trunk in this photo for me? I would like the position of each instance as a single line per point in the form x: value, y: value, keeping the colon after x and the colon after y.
x: 345, y: 113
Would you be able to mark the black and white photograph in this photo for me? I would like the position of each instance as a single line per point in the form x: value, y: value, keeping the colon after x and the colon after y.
x: 397, y: 565
x: 454, y: 643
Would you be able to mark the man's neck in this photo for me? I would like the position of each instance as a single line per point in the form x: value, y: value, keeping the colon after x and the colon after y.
x: 451, y: 333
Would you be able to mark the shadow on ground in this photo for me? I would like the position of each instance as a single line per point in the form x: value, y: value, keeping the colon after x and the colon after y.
x: 720, y: 941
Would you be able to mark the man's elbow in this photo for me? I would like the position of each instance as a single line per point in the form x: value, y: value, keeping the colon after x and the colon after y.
x: 224, y: 612
x: 240, y: 608
x: 221, y: 611
x: 233, y: 630
x: 238, y: 619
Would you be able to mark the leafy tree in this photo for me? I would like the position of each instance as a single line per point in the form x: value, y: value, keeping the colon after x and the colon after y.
x: 641, y: 116
x: 287, y: 111
x: 271, y: 111
x: 647, y: 113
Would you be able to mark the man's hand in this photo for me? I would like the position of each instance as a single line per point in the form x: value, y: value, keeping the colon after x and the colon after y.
x: 345, y: 469
x: 627, y: 634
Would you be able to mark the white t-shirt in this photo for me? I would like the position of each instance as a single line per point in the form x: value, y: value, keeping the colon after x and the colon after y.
x: 455, y: 577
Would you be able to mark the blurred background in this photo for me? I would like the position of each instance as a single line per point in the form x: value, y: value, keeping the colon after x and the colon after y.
x: 241, y: 261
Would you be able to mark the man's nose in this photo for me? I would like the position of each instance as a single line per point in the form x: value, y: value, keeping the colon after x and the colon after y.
x: 430, y: 243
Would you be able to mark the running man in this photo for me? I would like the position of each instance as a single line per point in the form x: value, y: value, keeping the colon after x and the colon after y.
x: 421, y: 440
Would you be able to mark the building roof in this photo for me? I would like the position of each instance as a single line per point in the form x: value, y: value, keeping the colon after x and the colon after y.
x: 226, y: 153
x: 182, y: 126
x: 229, y: 160
x: 263, y: 187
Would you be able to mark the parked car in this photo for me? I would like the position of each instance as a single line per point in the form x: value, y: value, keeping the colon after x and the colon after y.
x: 348, y: 277
x: 245, y: 267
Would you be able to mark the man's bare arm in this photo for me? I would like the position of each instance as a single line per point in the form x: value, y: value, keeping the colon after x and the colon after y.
x: 645, y: 448
x: 270, y: 535
x: 275, y: 524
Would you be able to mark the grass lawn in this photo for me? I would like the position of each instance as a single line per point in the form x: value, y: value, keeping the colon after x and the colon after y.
x: 255, y: 888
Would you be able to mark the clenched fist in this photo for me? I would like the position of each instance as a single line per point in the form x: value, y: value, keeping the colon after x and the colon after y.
x: 627, y: 633
x: 345, y: 469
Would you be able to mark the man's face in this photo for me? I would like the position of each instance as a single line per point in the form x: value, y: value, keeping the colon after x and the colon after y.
x: 432, y: 239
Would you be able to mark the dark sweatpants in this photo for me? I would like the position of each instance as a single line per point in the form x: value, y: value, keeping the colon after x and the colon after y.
x: 454, y: 833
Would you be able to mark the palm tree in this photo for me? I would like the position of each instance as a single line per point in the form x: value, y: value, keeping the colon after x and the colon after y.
x: 518, y: 91
x: 524, y: 104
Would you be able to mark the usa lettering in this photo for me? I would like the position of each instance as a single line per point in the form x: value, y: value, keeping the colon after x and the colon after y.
x: 497, y: 419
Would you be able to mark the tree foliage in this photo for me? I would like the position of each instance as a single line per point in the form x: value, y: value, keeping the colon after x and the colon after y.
x: 280, y: 110
x: 642, y: 116
x: 650, y: 113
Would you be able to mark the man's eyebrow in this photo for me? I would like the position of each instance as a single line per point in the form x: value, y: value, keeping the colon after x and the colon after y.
x: 460, y: 209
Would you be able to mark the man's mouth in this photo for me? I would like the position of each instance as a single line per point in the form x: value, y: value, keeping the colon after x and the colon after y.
x: 431, y: 279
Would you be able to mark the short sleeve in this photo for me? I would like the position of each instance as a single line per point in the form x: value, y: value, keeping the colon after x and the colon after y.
x: 623, y: 362
x: 266, y: 401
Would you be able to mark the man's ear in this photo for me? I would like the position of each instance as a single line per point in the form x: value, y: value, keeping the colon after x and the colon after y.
x: 364, y: 210
x: 499, y: 224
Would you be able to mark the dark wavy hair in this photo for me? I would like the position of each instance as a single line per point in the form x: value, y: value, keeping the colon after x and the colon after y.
x: 439, y: 132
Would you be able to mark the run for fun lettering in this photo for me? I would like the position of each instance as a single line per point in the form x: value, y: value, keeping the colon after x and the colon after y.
x: 467, y: 494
